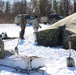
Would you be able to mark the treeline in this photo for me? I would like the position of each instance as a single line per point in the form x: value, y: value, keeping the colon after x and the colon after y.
x: 9, y: 10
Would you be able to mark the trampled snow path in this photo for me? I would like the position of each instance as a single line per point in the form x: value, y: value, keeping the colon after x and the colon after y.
x: 56, y: 55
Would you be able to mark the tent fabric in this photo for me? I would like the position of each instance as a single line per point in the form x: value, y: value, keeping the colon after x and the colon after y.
x: 57, y: 33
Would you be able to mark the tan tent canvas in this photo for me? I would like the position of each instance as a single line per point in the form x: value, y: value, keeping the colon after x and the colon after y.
x: 59, y: 33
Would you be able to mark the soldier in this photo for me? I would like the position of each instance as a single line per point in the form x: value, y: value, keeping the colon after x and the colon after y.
x: 36, y: 26
x: 23, y: 25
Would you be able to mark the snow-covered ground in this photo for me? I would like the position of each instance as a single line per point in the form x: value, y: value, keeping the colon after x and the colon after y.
x: 56, y: 55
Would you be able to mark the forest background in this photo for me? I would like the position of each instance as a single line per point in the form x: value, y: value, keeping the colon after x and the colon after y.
x: 8, y: 9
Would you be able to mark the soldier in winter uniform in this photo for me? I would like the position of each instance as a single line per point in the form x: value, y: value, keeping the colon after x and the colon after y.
x: 36, y: 26
x: 23, y: 25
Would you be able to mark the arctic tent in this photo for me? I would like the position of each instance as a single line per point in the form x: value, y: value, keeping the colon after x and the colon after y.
x: 59, y: 33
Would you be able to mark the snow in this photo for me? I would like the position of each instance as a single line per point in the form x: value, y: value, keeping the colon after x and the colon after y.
x: 56, y: 55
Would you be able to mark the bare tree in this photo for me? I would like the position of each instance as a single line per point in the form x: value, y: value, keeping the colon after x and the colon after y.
x: 19, y: 7
x: 74, y: 5
x: 29, y: 8
x: 44, y: 7
x: 55, y: 6
x: 61, y: 8
x: 23, y: 6
x: 8, y: 7
x: 2, y: 5
x: 35, y: 6
x: 66, y: 7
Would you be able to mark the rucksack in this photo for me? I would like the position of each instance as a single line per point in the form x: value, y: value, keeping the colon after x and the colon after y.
x: 4, y: 35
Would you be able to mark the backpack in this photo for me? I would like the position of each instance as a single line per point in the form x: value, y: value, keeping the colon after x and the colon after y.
x: 4, y: 35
